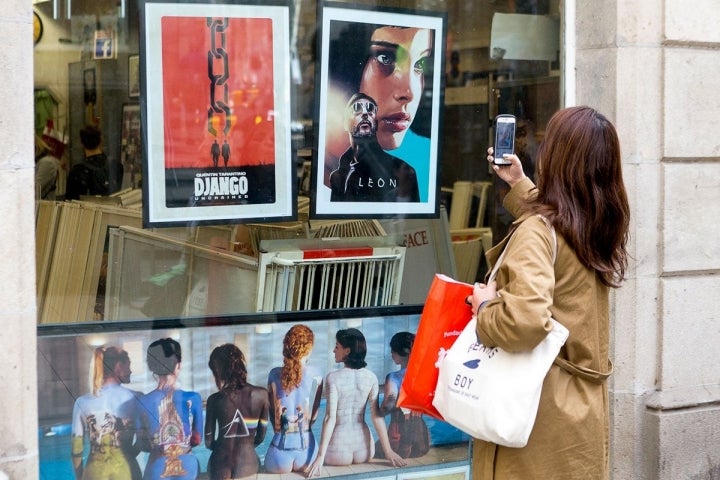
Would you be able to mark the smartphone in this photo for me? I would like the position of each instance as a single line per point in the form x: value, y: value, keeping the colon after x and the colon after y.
x: 504, y: 138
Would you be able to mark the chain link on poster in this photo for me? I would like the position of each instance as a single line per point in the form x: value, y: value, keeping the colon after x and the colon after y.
x: 218, y: 80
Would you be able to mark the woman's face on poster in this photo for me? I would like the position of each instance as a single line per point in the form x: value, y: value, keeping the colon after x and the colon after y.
x: 394, y: 77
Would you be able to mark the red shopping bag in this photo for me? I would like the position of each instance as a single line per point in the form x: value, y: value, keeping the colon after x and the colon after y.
x: 443, y: 318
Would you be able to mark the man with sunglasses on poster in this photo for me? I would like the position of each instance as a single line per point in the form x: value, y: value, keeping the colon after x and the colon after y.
x: 365, y: 172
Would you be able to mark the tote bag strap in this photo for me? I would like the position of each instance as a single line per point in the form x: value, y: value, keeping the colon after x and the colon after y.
x: 586, y: 374
x: 496, y: 267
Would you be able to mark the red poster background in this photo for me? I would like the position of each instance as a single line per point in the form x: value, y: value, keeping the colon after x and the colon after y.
x: 186, y: 92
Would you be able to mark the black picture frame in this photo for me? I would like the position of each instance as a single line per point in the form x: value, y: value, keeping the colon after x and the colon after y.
x: 189, y: 126
x: 407, y: 133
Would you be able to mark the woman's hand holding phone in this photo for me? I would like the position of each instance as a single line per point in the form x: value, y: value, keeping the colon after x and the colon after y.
x: 511, y: 173
x: 504, y: 137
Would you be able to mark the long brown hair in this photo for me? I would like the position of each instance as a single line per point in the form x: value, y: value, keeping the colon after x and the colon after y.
x: 581, y: 190
x: 227, y: 363
x: 298, y: 343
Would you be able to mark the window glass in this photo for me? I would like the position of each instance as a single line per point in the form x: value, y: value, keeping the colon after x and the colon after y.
x: 128, y: 108
x: 462, y: 64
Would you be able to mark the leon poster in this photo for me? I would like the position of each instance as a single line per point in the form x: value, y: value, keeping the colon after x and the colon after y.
x: 378, y: 108
x: 216, y: 84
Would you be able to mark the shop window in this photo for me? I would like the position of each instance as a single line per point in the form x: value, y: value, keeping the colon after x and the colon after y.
x: 293, y: 250
x: 499, y: 57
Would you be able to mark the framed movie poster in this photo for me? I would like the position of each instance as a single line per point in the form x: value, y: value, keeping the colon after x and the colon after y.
x: 378, y: 105
x: 216, y: 84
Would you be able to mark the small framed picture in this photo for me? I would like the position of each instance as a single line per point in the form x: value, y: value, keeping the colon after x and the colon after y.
x: 216, y: 85
x: 89, y: 86
x: 134, y: 76
x: 380, y: 92
x: 131, y: 152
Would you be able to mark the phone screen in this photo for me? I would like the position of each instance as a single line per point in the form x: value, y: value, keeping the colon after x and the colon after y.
x: 504, y: 137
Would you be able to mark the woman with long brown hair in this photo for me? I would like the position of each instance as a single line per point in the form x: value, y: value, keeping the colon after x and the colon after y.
x: 580, y: 194
x: 236, y: 416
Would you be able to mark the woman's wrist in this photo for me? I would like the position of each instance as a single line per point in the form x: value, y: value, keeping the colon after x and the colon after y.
x: 480, y: 307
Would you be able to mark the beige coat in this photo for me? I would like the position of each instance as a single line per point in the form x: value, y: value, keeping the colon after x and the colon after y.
x: 570, y: 436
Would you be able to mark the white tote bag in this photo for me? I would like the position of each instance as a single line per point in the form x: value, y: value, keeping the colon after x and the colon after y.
x: 492, y: 394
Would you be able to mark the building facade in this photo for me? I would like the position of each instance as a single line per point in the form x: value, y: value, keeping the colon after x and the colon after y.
x: 650, y: 66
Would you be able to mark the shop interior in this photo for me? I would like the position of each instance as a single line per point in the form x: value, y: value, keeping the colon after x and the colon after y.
x: 87, y: 249
x: 96, y: 263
